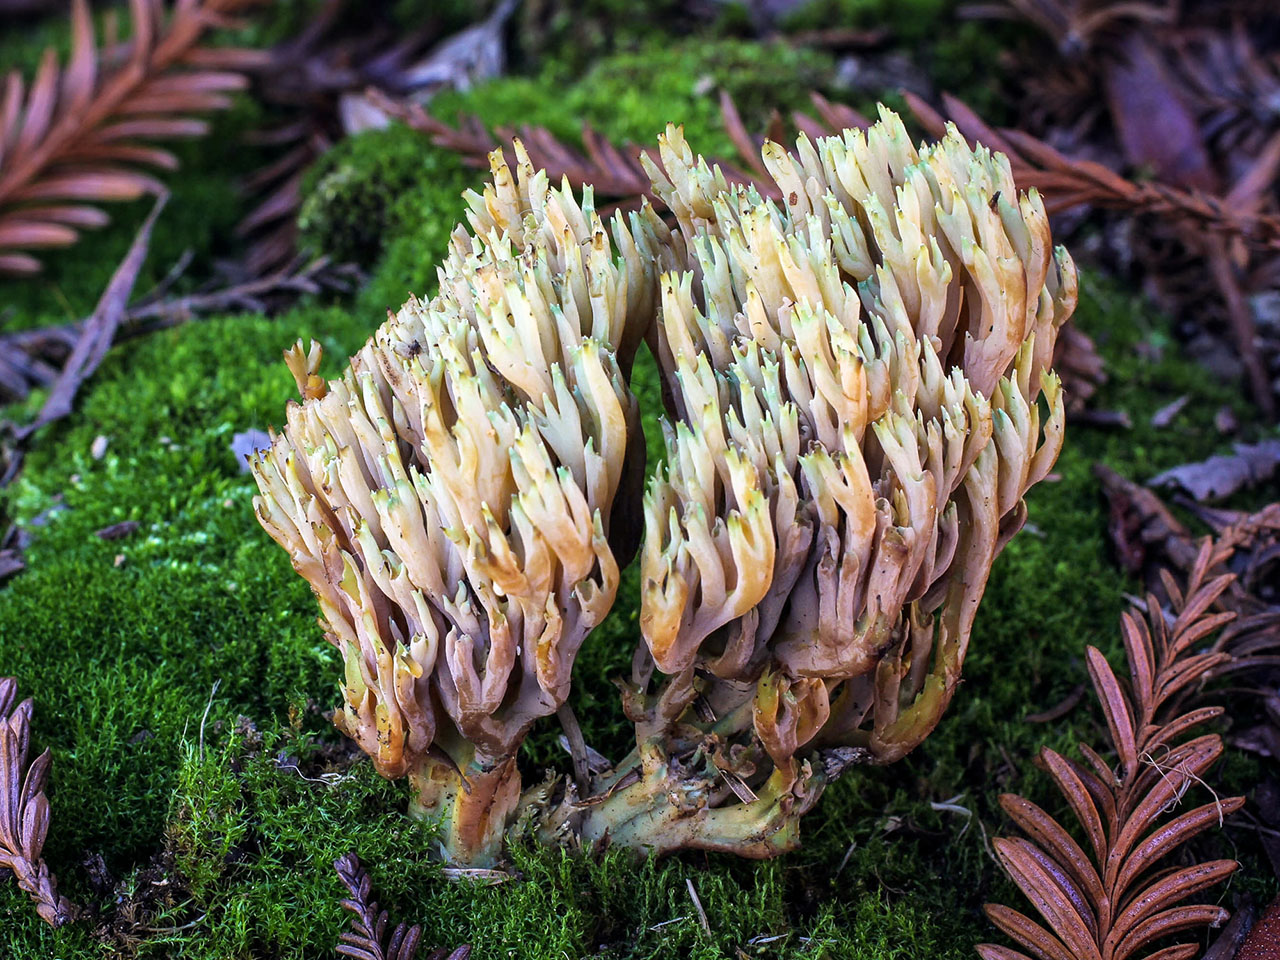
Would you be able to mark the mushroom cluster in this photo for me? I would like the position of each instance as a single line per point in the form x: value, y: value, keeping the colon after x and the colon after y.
x: 857, y: 398
x: 450, y: 498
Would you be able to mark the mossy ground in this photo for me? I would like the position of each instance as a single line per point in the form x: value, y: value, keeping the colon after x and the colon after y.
x: 180, y: 678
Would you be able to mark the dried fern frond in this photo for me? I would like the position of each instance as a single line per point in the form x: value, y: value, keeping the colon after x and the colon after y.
x: 84, y: 135
x: 368, y: 938
x: 1120, y: 893
x: 24, y: 809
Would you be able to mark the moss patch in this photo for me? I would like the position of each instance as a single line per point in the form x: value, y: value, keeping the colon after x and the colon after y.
x: 632, y: 96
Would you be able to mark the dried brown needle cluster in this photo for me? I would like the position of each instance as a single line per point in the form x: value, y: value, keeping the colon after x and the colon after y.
x: 858, y: 397
x: 1123, y: 891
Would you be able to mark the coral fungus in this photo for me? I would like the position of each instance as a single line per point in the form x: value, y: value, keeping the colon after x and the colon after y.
x: 858, y: 398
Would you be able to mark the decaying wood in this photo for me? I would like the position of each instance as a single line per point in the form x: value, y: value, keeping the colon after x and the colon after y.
x: 84, y: 135
x: 24, y: 809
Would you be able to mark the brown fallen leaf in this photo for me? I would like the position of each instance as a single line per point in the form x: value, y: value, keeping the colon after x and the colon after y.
x: 1142, y: 528
x: 370, y: 937
x: 1059, y: 710
x: 1104, y: 419
x: 1220, y: 476
x: 11, y: 561
x: 1262, y: 739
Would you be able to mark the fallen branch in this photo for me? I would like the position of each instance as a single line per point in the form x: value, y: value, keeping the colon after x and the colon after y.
x: 31, y: 359
x: 99, y: 332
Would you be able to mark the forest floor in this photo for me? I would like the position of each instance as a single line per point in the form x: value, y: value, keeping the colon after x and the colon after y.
x: 199, y: 793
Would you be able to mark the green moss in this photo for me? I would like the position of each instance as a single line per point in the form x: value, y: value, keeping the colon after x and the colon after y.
x: 424, y: 215
x: 908, y: 20
x: 565, y: 37
x: 951, y: 53
x: 633, y: 95
x: 372, y: 187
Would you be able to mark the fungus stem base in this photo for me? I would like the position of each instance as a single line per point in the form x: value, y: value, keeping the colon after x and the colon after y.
x: 473, y: 812
x: 658, y: 808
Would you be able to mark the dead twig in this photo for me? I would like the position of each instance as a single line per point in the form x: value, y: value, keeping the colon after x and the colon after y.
x: 98, y: 333
x: 31, y: 359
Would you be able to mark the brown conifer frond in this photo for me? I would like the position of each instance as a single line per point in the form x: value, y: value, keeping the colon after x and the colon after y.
x: 1119, y: 893
x: 368, y: 938
x: 84, y: 135
x: 24, y: 809
x: 614, y: 172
